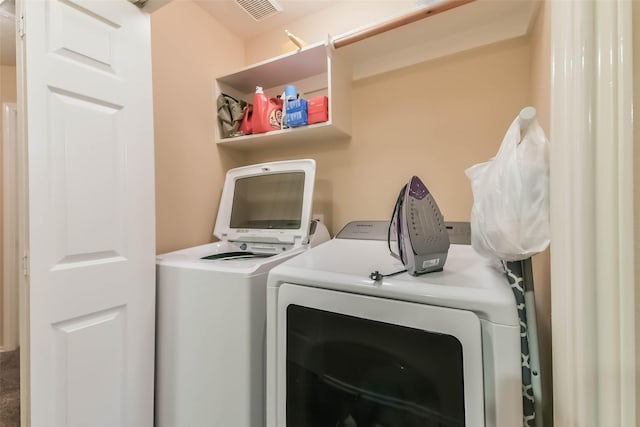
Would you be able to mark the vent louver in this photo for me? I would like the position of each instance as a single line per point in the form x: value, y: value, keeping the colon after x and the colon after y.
x: 259, y: 9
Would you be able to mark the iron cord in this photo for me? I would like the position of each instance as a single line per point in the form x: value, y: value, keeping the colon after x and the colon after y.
x: 376, y: 275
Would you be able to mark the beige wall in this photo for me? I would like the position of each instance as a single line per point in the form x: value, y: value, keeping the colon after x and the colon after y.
x: 636, y: 159
x: 7, y: 86
x: 341, y: 18
x: 189, y: 48
x: 7, y: 94
x: 405, y: 122
x: 433, y: 120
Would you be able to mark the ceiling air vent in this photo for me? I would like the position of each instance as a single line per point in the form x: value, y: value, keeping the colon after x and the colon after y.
x: 260, y: 9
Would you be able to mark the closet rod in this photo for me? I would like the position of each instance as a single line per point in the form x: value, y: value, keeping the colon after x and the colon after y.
x: 424, y: 12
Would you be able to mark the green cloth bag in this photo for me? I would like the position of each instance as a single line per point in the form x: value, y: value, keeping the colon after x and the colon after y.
x: 230, y: 113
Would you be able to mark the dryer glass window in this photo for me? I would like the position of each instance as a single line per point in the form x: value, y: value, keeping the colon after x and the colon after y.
x: 268, y: 201
x: 349, y: 371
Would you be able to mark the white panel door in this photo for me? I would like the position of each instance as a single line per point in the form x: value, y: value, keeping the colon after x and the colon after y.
x: 91, y: 213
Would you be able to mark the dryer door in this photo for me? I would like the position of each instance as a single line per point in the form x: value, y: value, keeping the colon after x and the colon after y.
x: 353, y: 360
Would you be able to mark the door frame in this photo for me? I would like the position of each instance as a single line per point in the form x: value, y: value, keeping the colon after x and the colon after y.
x: 23, y: 215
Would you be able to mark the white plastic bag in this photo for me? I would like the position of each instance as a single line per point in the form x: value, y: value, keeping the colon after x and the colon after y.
x: 510, y: 214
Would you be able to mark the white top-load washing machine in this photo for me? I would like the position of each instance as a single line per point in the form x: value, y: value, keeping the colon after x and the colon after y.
x: 211, y: 299
x: 440, y: 349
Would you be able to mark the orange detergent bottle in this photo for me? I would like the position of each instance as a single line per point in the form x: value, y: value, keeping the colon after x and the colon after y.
x: 267, y: 112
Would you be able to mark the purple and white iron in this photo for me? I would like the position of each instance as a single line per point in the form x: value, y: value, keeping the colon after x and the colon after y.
x: 418, y: 226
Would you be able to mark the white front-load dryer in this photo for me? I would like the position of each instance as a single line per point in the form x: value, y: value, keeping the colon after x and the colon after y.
x: 440, y: 349
x: 211, y: 299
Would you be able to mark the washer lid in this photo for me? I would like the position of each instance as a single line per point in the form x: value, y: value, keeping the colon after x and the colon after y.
x: 267, y: 203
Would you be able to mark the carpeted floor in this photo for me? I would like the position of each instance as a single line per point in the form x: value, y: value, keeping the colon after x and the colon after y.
x: 10, y: 389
